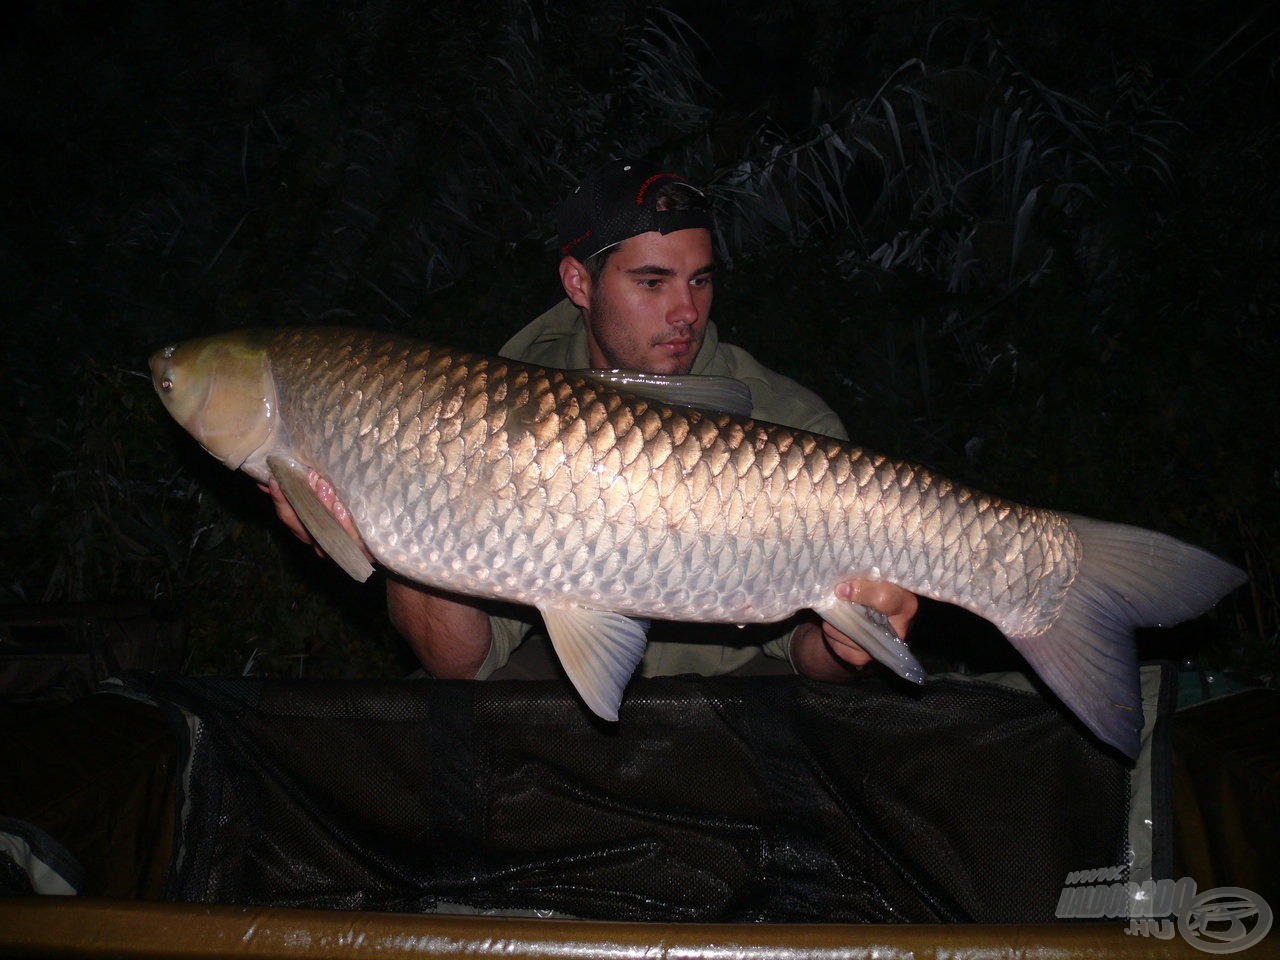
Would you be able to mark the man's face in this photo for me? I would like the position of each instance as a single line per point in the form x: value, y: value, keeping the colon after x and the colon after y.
x: 649, y: 310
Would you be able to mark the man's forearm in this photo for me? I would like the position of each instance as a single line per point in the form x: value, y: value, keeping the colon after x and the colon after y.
x: 812, y: 656
x: 449, y: 635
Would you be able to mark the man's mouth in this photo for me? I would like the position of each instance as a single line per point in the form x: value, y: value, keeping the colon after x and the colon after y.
x: 677, y: 345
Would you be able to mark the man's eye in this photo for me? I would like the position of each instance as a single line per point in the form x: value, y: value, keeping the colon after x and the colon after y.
x: 700, y: 282
x: 650, y: 283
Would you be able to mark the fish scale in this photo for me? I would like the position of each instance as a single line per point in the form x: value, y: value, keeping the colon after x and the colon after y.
x: 590, y: 498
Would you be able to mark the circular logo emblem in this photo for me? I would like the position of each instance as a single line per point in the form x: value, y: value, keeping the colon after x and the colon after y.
x: 1215, y: 921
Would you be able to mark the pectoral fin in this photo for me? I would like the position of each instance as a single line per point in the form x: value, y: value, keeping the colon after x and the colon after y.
x: 871, y: 631
x: 599, y: 651
x: 320, y: 523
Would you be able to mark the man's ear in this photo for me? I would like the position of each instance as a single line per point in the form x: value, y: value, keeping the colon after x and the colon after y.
x: 576, y: 281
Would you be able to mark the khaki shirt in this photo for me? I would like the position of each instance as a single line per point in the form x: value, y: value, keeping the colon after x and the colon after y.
x: 558, y: 338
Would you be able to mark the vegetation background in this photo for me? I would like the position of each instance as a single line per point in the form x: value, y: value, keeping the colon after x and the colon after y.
x: 1031, y: 245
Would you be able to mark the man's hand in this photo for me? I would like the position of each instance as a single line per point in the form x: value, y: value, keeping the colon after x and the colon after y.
x: 898, y: 605
x: 324, y: 492
x: 821, y: 652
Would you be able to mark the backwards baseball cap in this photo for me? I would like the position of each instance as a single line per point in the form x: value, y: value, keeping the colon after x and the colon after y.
x: 620, y: 200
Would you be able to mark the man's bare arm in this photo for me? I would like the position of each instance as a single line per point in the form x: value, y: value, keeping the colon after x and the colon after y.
x: 449, y: 634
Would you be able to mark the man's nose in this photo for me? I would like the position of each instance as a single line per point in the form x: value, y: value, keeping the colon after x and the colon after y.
x: 684, y: 310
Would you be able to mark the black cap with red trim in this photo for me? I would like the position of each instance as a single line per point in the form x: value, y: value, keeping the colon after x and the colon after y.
x: 618, y: 201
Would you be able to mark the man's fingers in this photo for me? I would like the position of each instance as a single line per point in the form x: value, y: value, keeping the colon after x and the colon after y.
x: 322, y: 489
x: 325, y: 493
x: 898, y: 605
x: 327, y: 496
x: 877, y: 594
x: 285, y: 511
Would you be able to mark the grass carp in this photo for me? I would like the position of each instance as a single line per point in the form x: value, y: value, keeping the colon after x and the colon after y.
x: 605, y: 498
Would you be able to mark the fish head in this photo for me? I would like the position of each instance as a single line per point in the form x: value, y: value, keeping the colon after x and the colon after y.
x: 220, y: 390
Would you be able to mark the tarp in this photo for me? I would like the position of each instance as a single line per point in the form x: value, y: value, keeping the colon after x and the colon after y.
x: 762, y: 799
x: 534, y: 732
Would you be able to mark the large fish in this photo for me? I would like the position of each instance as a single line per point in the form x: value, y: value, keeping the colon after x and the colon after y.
x: 605, y: 498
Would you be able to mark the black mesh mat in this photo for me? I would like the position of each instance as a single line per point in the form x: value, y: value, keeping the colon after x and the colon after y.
x: 727, y: 799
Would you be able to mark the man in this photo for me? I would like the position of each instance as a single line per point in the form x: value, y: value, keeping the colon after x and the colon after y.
x: 637, y: 269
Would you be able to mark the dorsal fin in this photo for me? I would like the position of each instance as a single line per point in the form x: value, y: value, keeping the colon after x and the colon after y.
x: 713, y: 394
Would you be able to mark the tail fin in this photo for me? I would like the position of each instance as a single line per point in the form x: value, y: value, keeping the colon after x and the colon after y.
x: 1129, y: 577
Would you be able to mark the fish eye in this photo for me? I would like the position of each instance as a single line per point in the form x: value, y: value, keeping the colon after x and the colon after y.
x: 166, y: 384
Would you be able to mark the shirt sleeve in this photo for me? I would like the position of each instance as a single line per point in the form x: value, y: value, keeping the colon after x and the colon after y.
x: 779, y: 648
x: 507, y: 634
x: 779, y: 399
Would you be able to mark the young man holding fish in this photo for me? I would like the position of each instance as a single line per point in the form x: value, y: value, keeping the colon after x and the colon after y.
x: 607, y: 498
x: 637, y: 269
